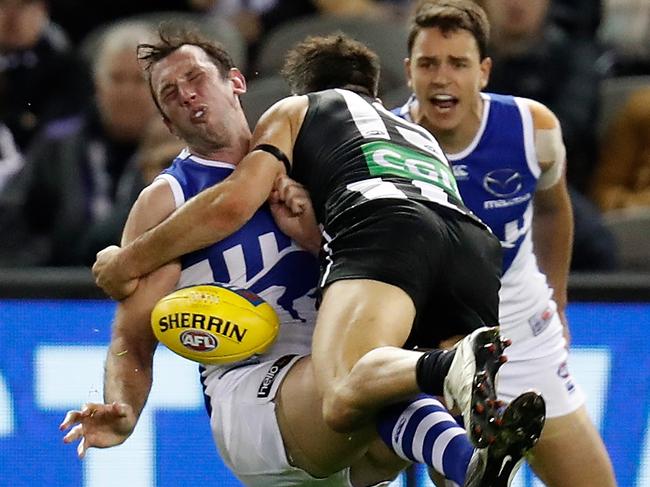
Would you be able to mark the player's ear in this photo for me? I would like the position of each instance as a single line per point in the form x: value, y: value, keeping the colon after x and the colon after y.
x: 407, y: 72
x: 486, y: 68
x: 169, y: 125
x: 238, y: 81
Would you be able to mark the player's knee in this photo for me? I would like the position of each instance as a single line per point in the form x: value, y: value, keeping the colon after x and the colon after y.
x: 338, y: 411
x: 351, y: 398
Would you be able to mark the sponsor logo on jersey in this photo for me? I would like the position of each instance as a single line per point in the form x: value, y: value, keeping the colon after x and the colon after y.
x: 199, y: 341
x: 495, y: 204
x: 267, y: 383
x: 386, y: 158
x: 460, y: 171
x: 563, y: 371
x: 540, y: 321
x: 503, y: 183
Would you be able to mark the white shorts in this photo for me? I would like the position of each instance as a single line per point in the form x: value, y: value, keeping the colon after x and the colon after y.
x: 538, y: 360
x: 246, y: 431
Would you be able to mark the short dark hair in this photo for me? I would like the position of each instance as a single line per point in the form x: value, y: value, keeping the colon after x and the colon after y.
x: 333, y: 61
x: 449, y: 16
x: 173, y: 37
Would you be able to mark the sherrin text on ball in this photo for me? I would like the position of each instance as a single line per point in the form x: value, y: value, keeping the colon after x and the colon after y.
x: 215, y: 323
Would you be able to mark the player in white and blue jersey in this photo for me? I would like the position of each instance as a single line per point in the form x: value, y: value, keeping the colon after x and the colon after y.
x: 258, y: 257
x: 508, y: 158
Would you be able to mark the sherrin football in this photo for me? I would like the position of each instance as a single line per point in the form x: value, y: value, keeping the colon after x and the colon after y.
x: 214, y: 323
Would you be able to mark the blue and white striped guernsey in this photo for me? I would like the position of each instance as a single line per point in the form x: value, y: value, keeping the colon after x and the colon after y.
x: 258, y: 257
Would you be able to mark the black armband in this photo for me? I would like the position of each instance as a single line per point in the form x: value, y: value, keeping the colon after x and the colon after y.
x: 275, y: 152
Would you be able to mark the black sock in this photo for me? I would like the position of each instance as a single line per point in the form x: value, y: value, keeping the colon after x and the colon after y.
x: 431, y: 370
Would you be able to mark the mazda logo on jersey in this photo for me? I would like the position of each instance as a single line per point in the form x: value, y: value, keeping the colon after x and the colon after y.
x: 503, y: 182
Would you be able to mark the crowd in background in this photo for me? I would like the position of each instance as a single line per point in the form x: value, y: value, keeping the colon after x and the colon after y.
x: 80, y: 136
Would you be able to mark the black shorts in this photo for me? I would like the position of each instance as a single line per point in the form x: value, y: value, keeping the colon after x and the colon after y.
x: 448, y: 264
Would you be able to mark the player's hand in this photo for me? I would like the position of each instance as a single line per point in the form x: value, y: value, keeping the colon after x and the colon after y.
x: 98, y: 426
x: 111, y: 276
x: 293, y: 194
x: 298, y: 222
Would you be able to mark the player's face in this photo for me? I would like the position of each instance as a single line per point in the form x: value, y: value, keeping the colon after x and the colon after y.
x: 200, y: 105
x: 446, y: 74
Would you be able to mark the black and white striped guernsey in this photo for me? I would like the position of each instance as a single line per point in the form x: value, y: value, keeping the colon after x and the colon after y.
x: 350, y: 150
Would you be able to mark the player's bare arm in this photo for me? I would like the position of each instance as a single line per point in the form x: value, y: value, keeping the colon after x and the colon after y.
x: 553, y: 217
x: 213, y: 214
x: 127, y: 378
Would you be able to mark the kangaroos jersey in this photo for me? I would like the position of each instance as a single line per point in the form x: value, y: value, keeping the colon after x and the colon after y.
x: 258, y: 257
x: 350, y: 149
x: 497, y: 175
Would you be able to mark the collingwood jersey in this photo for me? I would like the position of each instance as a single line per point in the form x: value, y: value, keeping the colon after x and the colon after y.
x: 497, y: 176
x: 350, y: 149
x: 258, y: 257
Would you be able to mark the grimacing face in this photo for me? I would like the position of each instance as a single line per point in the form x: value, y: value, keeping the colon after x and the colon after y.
x: 199, y: 105
x: 446, y: 74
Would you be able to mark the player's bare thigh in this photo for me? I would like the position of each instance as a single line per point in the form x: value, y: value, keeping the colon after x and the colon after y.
x: 355, y: 317
x: 310, y: 444
x: 570, y: 453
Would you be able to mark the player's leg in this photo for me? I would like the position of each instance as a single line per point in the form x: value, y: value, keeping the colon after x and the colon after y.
x: 380, y: 463
x: 312, y: 446
x: 387, y: 259
x: 571, y: 453
x: 310, y: 443
x: 358, y: 362
x: 383, y: 374
x: 516, y: 430
x: 420, y: 430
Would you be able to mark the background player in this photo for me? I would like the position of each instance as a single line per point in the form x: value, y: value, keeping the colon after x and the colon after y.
x: 509, y: 160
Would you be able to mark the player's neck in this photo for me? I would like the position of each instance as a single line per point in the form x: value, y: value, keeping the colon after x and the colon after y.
x: 232, y: 153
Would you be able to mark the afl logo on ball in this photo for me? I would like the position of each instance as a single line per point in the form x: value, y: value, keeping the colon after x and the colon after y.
x: 199, y: 341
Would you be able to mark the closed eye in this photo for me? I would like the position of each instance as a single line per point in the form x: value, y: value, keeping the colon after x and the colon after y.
x: 168, y: 93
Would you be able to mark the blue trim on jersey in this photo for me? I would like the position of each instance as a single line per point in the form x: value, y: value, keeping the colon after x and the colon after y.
x: 241, y: 256
x: 495, y: 180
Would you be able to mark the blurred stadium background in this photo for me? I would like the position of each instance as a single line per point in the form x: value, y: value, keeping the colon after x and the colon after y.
x: 54, y: 328
x: 55, y: 324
